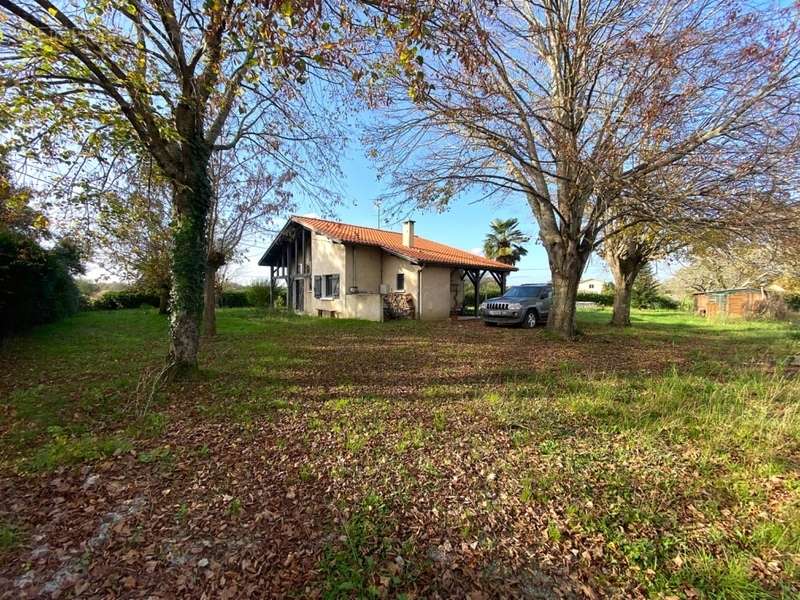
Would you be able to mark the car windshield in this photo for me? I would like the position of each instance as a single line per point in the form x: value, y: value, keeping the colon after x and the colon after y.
x: 523, y: 291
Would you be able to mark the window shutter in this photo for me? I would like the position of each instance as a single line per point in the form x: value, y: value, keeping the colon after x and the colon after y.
x: 335, y: 285
x: 317, y: 286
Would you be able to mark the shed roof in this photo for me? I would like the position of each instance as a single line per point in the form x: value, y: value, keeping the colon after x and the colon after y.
x: 731, y: 290
x: 422, y: 251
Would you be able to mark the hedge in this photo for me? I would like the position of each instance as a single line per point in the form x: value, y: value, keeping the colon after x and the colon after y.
x: 233, y: 299
x: 36, y: 284
x: 125, y: 299
x: 601, y: 299
x: 660, y: 302
x: 255, y: 295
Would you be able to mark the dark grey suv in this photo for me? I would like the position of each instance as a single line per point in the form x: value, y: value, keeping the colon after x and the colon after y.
x: 523, y: 305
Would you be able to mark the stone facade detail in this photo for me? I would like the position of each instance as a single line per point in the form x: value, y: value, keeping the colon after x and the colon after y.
x: 398, y: 305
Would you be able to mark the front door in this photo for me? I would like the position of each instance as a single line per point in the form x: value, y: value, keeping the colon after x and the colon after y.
x: 299, y: 286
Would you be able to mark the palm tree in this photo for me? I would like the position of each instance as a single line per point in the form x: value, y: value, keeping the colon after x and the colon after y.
x: 504, y: 242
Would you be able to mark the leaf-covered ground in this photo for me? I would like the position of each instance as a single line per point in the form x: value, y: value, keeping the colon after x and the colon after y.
x: 350, y: 459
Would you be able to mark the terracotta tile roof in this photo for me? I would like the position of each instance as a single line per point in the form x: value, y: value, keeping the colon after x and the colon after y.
x: 423, y: 250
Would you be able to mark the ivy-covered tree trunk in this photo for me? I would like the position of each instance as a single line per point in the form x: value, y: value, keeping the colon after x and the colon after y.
x: 624, y: 269
x: 192, y: 198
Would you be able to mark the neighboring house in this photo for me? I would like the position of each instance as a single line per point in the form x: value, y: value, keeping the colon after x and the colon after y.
x: 729, y: 303
x: 339, y: 270
x: 591, y: 286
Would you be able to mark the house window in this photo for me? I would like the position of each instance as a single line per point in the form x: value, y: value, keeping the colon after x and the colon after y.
x: 326, y: 286
x: 591, y: 286
x: 401, y: 282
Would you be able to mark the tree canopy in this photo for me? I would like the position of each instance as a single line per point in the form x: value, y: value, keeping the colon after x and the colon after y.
x: 570, y: 102
x: 90, y: 84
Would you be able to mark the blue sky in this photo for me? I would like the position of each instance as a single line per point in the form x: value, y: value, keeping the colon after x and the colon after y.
x: 464, y: 225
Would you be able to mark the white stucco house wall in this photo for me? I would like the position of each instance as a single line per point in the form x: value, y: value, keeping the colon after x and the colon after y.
x: 591, y: 286
x: 339, y: 270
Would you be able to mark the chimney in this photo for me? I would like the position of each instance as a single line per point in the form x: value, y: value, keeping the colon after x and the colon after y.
x: 408, y: 233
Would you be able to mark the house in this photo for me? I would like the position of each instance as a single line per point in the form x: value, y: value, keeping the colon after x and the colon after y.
x: 591, y: 286
x: 737, y: 302
x: 339, y: 270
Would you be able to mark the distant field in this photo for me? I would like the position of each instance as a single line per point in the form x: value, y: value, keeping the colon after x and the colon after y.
x: 343, y: 458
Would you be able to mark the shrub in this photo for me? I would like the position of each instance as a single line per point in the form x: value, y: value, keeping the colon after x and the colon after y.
x: 125, y: 299
x: 234, y: 299
x: 601, y: 299
x: 656, y: 302
x: 258, y: 294
x: 773, y: 307
x: 488, y: 289
x: 792, y: 301
x: 659, y: 302
x: 36, y: 284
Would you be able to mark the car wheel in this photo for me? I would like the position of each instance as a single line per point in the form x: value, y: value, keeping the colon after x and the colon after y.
x: 531, y: 319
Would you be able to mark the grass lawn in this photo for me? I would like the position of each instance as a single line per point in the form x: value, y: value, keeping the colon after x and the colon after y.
x: 341, y: 458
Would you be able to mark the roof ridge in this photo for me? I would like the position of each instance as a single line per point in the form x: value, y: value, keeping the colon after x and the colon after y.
x: 436, y: 250
x: 354, y: 225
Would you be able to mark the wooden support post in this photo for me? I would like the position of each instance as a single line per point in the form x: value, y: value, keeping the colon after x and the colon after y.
x: 296, y: 254
x: 500, y: 279
x: 272, y: 287
x: 476, y: 282
x: 289, y: 305
x: 304, y: 253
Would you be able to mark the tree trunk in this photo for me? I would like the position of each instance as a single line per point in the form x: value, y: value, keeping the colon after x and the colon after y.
x: 163, y: 300
x: 192, y: 198
x: 621, y: 314
x: 210, y: 310
x: 624, y: 269
x: 561, y: 319
x: 567, y: 262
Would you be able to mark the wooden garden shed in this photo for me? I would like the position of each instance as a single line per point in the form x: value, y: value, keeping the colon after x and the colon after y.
x: 728, y: 303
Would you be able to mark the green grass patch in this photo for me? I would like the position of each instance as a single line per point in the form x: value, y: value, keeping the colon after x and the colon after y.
x: 10, y: 537
x: 359, y: 563
x: 67, y: 449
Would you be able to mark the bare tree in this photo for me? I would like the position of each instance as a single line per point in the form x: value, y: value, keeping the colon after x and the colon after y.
x: 570, y: 102
x: 175, y: 81
x: 246, y: 198
x: 131, y: 235
x: 740, y: 265
x: 745, y: 197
